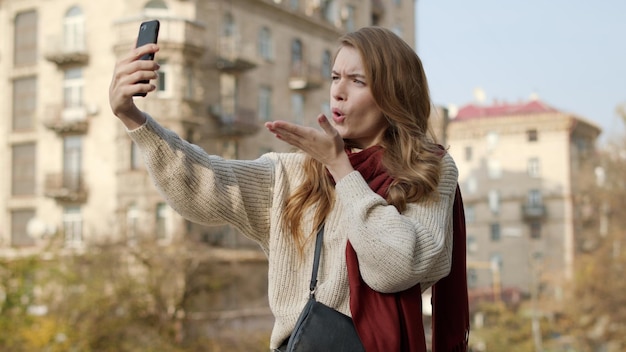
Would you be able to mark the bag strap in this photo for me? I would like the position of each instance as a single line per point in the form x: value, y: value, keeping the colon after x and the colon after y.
x: 316, y: 260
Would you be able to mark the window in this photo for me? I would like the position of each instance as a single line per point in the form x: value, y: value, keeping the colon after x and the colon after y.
x: 136, y: 161
x: 471, y: 184
x: 534, y: 197
x: 470, y: 214
x: 189, y: 88
x: 472, y: 245
x: 228, y: 39
x: 496, y: 260
x: 532, y: 135
x: 534, y: 169
x: 74, y: 30
x: 265, y: 103
x: 348, y: 17
x: 494, y: 169
x: 582, y: 146
x: 163, y: 83
x: 73, y: 88
x: 23, y: 170
x: 72, y: 225
x: 329, y: 10
x: 468, y: 153
x: 228, y: 26
x: 265, y: 44
x: 535, y: 229
x: 472, y: 277
x: 495, y: 232
x: 25, y: 40
x: 297, y: 107
x: 326, y: 64
x: 296, y: 52
x: 228, y: 97
x: 494, y: 201
x: 72, y: 162
x: 492, y: 140
x: 162, y: 225
x: 24, y: 103
x: 19, y: 227
x: 155, y: 9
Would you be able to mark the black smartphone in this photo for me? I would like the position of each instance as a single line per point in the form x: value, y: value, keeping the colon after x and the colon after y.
x: 148, y: 33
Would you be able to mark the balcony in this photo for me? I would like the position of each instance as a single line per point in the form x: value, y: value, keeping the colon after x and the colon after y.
x: 174, y: 33
x: 532, y: 212
x: 238, y: 122
x: 66, y: 187
x: 65, y: 53
x: 68, y: 121
x: 234, y: 55
x: 304, y: 76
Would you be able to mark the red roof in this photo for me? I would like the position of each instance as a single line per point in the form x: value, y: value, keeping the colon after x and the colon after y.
x: 531, y: 107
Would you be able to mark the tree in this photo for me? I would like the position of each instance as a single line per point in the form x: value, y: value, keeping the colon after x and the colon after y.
x: 597, y: 303
x: 112, y: 297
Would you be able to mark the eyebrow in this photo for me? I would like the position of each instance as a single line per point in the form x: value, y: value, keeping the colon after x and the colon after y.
x: 352, y: 75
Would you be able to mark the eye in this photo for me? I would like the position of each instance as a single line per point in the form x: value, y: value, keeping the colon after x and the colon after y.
x: 334, y: 77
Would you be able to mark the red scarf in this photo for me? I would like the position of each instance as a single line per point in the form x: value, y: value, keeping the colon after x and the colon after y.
x: 393, y: 322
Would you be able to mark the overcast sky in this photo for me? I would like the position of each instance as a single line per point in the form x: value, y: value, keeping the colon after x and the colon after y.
x: 572, y: 54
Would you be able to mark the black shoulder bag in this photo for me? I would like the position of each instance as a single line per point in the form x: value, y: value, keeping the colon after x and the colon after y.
x: 319, y: 327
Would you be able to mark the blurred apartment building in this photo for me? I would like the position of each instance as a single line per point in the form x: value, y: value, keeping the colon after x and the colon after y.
x: 519, y: 166
x: 226, y: 67
x: 70, y: 170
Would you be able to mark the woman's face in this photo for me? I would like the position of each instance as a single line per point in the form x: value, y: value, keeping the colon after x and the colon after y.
x: 355, y: 115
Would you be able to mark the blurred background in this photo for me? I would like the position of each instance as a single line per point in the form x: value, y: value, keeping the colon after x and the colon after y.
x: 528, y: 97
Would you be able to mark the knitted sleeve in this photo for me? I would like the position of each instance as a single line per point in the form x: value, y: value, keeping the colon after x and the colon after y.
x: 204, y: 188
x: 397, y: 251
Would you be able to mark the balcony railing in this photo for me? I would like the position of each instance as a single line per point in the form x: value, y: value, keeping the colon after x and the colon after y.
x: 234, y: 55
x: 74, y: 120
x: 304, y: 76
x: 173, y: 32
x: 235, y: 122
x: 533, y: 211
x: 65, y: 53
x: 66, y: 187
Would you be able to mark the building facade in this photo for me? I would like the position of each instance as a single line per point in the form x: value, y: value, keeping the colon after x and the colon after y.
x: 72, y: 173
x: 518, y: 169
x: 226, y: 67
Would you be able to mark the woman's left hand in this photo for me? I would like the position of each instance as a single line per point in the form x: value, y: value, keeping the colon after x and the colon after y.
x: 325, y: 146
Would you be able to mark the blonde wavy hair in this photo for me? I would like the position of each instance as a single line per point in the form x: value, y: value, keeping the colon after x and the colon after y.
x: 398, y: 84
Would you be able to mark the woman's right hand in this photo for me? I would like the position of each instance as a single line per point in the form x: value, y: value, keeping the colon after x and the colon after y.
x: 128, y: 71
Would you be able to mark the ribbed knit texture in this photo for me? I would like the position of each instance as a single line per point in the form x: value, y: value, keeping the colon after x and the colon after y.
x: 396, y: 251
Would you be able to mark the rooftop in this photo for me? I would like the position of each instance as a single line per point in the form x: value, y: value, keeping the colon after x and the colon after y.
x: 503, y: 109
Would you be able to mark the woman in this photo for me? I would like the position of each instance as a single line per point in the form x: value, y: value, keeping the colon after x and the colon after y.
x: 371, y: 174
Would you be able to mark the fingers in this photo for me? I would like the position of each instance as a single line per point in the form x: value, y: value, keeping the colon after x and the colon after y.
x: 127, y: 73
x: 136, y: 53
x: 322, y: 120
x: 286, y: 131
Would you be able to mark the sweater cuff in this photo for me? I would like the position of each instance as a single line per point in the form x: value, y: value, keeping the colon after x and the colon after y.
x: 352, y: 189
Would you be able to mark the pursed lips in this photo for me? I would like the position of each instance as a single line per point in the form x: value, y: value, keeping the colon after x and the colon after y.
x: 338, y: 115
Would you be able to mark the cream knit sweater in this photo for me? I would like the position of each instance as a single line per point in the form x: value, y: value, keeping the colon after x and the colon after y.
x: 395, y: 251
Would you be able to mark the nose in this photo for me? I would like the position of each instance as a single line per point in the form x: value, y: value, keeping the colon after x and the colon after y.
x: 337, y: 90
